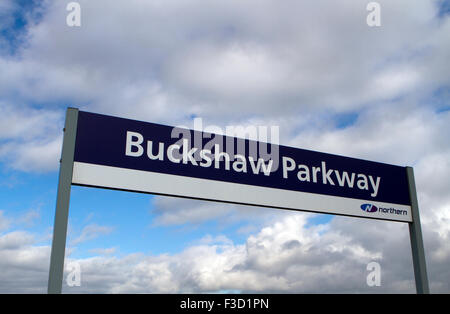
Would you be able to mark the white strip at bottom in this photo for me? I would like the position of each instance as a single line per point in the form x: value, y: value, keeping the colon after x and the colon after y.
x: 174, y: 185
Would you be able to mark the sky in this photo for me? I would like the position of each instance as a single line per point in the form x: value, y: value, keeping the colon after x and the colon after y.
x: 315, y: 69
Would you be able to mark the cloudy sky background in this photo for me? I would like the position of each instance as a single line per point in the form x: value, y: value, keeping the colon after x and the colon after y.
x: 314, y: 68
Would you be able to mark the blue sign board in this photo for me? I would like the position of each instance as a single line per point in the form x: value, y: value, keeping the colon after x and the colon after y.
x: 131, y: 155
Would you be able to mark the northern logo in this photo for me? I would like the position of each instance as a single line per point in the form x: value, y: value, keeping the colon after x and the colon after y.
x: 369, y: 208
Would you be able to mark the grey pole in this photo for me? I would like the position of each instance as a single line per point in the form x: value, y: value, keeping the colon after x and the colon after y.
x: 62, y: 203
x: 415, y: 234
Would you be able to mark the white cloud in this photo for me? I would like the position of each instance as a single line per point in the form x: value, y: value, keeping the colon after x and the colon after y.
x: 287, y: 255
x: 24, y: 123
x: 91, y: 232
x: 107, y: 251
x: 4, y: 222
x: 29, y: 218
x: 231, y: 72
x: 394, y: 82
x: 33, y: 156
x: 24, y: 264
x: 276, y: 60
x: 229, y: 54
x: 176, y: 211
x: 393, y: 133
x: 30, y: 138
x: 172, y: 211
x: 13, y: 240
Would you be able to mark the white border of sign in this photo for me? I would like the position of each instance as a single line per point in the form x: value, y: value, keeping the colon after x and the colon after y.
x: 102, y: 176
x: 166, y: 184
